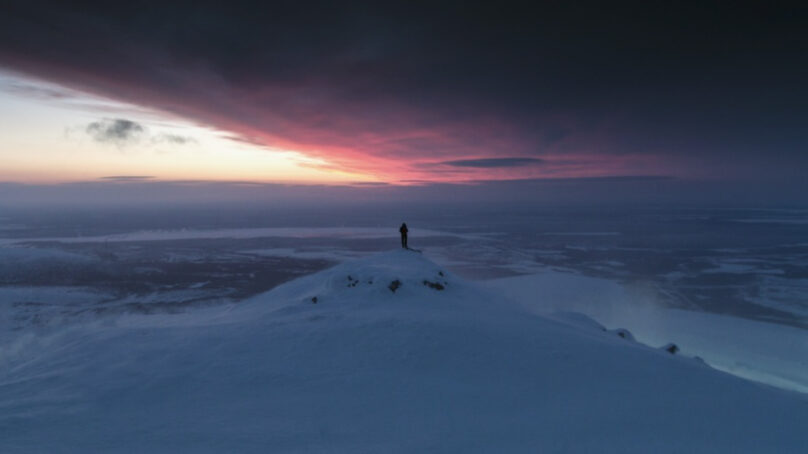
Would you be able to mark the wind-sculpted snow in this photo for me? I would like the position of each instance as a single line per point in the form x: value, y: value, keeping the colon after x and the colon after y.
x: 766, y: 352
x: 339, y: 362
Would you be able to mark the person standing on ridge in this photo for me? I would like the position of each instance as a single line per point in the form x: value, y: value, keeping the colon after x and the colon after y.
x: 403, y: 230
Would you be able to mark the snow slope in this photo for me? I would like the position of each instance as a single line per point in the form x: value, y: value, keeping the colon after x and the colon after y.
x: 339, y: 362
x: 767, y: 352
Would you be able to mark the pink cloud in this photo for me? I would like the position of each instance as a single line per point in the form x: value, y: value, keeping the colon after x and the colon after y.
x: 381, y: 137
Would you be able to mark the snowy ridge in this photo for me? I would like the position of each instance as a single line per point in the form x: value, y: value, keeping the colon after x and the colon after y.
x: 339, y: 361
x: 386, y: 284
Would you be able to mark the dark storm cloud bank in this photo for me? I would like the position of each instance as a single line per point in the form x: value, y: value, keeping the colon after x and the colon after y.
x: 721, y: 85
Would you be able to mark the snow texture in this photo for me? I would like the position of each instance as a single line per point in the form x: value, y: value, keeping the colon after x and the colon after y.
x: 339, y: 362
x: 766, y: 352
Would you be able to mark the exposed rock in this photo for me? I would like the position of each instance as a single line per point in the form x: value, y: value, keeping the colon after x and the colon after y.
x: 624, y: 333
x: 671, y: 348
x: 434, y: 285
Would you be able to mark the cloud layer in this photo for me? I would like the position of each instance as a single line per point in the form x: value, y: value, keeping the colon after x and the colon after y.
x: 566, y: 89
x: 121, y: 191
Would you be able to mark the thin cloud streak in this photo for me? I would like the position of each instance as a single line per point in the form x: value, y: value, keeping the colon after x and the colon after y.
x: 127, y: 178
x: 173, y: 139
x: 493, y: 162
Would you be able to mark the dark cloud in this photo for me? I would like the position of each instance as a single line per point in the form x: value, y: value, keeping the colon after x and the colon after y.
x: 127, y: 178
x: 240, y: 138
x: 122, y: 132
x: 607, y: 179
x: 369, y: 184
x: 173, y: 139
x: 493, y: 162
x: 117, y: 131
x: 715, y: 88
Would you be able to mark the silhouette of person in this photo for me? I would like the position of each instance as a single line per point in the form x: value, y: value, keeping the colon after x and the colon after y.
x: 403, y: 230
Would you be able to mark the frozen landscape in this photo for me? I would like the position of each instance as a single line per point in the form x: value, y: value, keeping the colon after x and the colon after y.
x: 520, y: 336
x: 390, y: 353
x: 201, y: 203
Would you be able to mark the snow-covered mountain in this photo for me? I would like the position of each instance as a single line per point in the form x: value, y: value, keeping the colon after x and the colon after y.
x: 389, y: 353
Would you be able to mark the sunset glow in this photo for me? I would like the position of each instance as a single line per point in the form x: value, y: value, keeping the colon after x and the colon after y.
x: 47, y: 141
x: 50, y: 122
x: 349, y: 104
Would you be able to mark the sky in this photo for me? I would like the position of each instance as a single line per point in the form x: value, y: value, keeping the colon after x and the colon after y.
x: 499, y: 98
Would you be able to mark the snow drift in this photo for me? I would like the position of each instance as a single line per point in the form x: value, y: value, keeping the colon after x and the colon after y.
x: 346, y: 360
